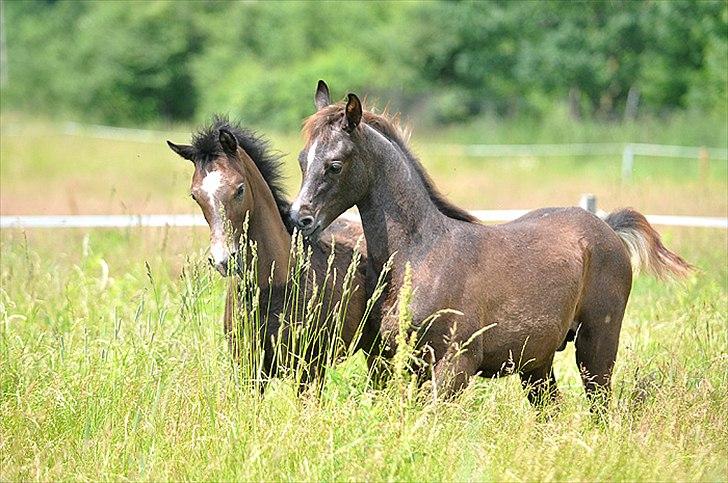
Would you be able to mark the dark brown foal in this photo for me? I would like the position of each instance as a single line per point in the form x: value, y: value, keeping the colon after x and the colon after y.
x: 524, y: 288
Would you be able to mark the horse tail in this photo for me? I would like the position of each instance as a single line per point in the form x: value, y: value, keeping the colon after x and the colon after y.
x: 645, y: 248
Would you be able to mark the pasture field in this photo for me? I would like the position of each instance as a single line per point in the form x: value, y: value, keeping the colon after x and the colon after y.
x: 44, y: 170
x: 113, y: 363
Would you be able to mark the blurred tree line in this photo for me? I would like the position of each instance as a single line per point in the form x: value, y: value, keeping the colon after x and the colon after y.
x: 130, y: 63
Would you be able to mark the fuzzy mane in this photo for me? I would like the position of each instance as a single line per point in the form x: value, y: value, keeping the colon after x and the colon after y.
x: 206, y: 143
x: 388, y: 126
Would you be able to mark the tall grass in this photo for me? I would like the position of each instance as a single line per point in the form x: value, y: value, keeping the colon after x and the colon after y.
x: 130, y: 377
x: 291, y: 331
x: 114, y: 363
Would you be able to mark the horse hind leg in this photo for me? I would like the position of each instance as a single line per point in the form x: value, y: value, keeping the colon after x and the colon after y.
x: 597, y: 341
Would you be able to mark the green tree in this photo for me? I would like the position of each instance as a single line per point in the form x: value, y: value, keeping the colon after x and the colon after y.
x: 140, y: 62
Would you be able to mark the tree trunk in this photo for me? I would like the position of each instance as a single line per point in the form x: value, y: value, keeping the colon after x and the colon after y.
x: 575, y: 103
x: 633, y: 100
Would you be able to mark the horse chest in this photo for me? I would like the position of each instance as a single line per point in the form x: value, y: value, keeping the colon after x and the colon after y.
x: 430, y: 318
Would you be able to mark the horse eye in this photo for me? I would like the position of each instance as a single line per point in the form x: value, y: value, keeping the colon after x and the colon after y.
x: 239, y: 192
x: 335, y: 168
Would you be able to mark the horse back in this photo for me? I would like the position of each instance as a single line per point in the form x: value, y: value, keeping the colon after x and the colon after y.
x: 571, y: 234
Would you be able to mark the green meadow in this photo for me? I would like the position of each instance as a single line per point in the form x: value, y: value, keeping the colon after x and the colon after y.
x: 114, y: 366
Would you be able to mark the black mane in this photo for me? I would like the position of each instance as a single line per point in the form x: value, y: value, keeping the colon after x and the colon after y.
x: 206, y: 144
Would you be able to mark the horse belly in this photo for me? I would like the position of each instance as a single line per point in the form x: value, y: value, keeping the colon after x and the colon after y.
x: 531, y: 323
x: 509, y: 351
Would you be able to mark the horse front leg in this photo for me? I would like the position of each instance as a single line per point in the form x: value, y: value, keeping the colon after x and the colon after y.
x: 452, y: 373
x: 540, y: 384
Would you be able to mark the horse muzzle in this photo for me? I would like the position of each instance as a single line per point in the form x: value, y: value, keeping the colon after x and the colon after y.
x: 221, y: 261
x: 305, y: 223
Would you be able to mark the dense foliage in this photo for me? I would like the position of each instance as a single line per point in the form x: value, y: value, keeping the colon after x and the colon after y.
x: 120, y: 62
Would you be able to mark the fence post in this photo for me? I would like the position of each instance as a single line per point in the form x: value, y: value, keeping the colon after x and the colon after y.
x: 589, y: 202
x: 704, y: 166
x: 627, y: 162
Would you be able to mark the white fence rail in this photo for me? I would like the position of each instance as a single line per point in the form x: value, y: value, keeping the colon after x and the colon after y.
x: 100, y: 221
x: 582, y: 149
x: 129, y: 221
x: 121, y: 133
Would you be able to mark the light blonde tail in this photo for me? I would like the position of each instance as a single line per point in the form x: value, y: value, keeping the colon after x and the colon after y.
x: 645, y: 247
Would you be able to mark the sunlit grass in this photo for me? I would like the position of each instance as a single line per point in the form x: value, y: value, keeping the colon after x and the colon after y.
x: 130, y: 377
x: 114, y: 365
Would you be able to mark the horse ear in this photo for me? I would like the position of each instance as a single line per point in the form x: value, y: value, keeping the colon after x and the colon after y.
x: 322, y: 98
x: 353, y: 112
x: 228, y: 142
x: 187, y: 152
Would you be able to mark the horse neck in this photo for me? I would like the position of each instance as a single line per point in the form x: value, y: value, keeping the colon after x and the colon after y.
x: 266, y: 228
x: 398, y: 209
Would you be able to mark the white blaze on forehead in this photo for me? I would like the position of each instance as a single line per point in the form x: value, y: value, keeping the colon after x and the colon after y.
x: 311, y: 154
x: 211, y: 183
x: 218, y: 249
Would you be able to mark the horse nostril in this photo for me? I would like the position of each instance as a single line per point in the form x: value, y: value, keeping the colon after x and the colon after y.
x: 305, y: 221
